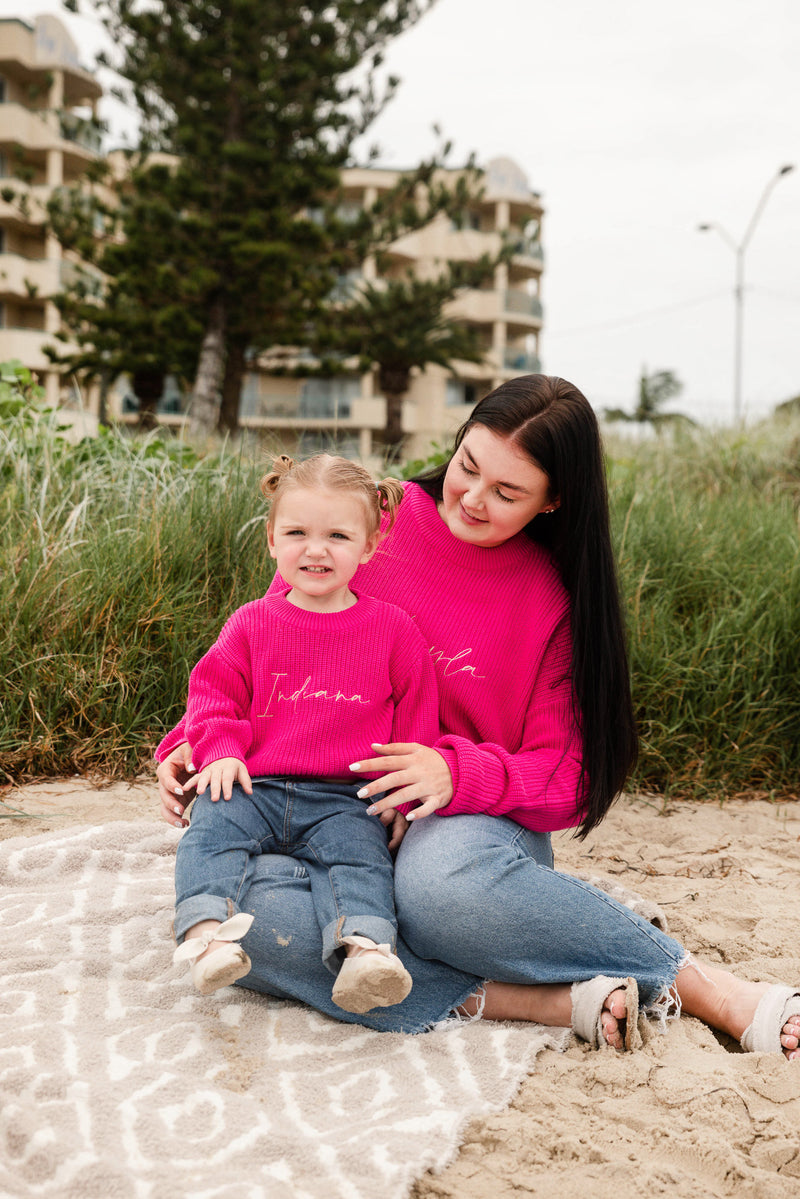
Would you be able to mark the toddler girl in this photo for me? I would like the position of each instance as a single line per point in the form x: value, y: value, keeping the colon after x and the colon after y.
x: 298, y: 686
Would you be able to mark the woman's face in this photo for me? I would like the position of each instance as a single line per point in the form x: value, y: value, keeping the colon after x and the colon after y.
x: 492, y: 489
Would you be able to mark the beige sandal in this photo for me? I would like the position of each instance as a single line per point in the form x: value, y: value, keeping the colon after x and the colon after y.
x: 371, y: 977
x: 775, y: 1008
x: 223, y: 965
x: 588, y: 999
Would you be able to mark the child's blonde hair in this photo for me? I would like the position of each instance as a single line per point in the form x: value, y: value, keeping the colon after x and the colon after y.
x: 325, y: 471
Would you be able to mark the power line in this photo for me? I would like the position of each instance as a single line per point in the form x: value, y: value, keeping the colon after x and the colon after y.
x: 619, y: 322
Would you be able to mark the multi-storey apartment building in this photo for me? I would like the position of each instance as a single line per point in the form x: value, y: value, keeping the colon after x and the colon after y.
x: 346, y: 412
x: 47, y: 139
x: 47, y: 100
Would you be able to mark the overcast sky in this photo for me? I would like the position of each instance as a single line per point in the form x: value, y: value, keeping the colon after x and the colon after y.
x: 636, y: 121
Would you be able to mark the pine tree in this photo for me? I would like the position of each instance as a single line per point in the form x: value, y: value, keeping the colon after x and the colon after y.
x: 131, y: 305
x: 259, y: 103
x: 398, y: 325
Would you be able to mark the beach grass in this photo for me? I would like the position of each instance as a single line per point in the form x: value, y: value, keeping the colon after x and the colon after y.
x: 707, y: 539
x: 121, y: 556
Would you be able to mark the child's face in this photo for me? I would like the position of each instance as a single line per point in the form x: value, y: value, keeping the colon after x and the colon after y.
x: 319, y: 539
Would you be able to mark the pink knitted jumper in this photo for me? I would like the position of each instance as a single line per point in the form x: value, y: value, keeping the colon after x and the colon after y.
x: 496, y: 622
x: 299, y: 693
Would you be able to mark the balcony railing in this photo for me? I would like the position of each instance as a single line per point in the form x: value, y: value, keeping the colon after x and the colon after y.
x: 315, y: 399
x: 522, y: 361
x: 520, y: 302
x: 527, y: 247
x: 81, y: 132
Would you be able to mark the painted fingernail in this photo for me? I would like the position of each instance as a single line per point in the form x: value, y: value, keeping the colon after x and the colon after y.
x: 410, y: 816
x: 362, y: 794
x: 354, y: 766
x: 178, y: 789
x: 370, y: 811
x: 177, y: 811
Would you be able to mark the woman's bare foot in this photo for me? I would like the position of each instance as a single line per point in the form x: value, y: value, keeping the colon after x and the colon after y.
x: 613, y: 1011
x: 549, y: 1004
x: 729, y: 1003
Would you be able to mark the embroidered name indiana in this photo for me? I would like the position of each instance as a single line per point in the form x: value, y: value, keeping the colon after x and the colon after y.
x: 305, y: 691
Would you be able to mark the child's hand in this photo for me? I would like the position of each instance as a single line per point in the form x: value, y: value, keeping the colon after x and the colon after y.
x: 397, y: 826
x: 222, y: 774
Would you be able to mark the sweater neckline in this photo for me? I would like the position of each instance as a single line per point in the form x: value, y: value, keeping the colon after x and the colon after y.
x: 359, y: 612
x: 514, y: 553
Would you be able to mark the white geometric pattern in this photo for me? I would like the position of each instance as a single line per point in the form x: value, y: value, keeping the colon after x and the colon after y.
x: 118, y: 1081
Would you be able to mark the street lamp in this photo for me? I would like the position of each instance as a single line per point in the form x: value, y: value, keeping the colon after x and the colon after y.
x: 738, y: 290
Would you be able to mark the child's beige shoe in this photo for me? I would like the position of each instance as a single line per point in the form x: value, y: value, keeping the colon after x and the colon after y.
x: 224, y: 964
x: 371, y: 977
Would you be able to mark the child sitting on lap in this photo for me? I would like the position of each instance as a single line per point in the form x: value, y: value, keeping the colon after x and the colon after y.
x: 298, y: 686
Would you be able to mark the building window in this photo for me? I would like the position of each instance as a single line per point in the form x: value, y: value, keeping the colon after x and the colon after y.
x: 2, y: 315
x: 3, y: 167
x: 327, y: 441
x: 323, y: 399
x: 458, y: 392
x: 2, y: 90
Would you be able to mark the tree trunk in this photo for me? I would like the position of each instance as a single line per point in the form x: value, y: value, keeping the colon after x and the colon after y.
x: 232, y: 388
x: 394, y: 382
x: 208, y: 380
x: 393, y: 435
x: 148, y: 386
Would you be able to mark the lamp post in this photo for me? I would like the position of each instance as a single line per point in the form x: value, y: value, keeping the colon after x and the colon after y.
x: 738, y: 290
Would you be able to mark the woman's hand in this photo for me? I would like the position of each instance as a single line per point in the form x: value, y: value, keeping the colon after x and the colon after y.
x: 414, y: 772
x: 173, y: 776
x: 221, y: 775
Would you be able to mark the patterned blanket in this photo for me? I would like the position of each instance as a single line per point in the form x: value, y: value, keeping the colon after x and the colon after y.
x: 117, y: 1081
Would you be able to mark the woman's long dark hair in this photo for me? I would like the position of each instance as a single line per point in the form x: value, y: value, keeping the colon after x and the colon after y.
x: 554, y: 425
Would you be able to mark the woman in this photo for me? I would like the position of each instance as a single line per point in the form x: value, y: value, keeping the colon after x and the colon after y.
x: 504, y: 559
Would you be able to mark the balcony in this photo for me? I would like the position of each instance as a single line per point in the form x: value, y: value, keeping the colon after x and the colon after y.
x: 28, y: 278
x: 26, y: 344
x: 527, y: 247
x: 27, y: 207
x: 522, y: 304
x: 77, y: 136
x: 21, y: 127
x: 521, y: 361
x: 81, y: 131
x: 477, y: 307
x: 314, y: 401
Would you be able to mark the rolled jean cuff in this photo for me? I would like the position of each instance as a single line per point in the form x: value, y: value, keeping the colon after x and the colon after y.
x: 377, y: 928
x: 201, y: 907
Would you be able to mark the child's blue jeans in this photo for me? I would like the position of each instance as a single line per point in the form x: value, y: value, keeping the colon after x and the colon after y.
x: 319, y: 822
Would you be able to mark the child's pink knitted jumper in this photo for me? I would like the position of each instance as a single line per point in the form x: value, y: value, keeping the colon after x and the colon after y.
x: 299, y: 693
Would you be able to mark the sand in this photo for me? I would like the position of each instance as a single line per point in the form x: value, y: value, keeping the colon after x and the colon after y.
x: 687, y: 1116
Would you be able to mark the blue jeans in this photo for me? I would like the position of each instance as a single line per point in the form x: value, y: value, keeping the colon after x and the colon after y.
x: 477, y: 899
x: 320, y: 823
